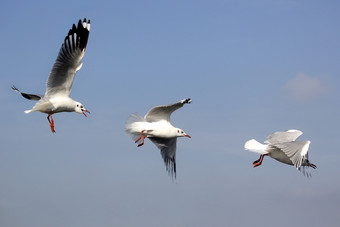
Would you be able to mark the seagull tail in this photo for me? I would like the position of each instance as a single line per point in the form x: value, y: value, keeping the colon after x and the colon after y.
x: 254, y: 146
x: 27, y: 111
x: 132, y: 126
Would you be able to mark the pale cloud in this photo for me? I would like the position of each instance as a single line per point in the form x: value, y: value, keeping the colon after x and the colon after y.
x: 303, y: 87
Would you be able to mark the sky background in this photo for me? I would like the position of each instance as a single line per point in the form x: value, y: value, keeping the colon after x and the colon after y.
x: 251, y: 67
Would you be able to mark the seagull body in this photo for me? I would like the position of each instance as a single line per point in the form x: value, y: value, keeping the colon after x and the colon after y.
x: 282, y: 147
x: 162, y: 129
x: 59, y: 83
x: 156, y: 126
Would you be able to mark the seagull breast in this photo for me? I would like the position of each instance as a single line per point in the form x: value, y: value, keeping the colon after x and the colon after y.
x: 62, y: 104
x: 162, y: 129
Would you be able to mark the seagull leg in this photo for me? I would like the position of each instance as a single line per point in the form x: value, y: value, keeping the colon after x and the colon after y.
x: 141, y: 134
x: 259, y: 161
x: 51, y: 121
x: 141, y: 144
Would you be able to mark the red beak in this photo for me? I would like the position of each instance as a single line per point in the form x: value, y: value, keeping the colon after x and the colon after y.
x: 188, y: 136
x: 85, y: 111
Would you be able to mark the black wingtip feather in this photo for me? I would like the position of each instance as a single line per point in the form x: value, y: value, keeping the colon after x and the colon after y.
x: 170, y: 165
x: 80, y: 24
x: 175, y: 169
x: 26, y: 95
x: 81, y: 34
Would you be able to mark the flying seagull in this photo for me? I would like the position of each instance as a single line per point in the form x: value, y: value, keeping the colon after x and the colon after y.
x: 57, y: 96
x: 283, y: 147
x: 156, y: 126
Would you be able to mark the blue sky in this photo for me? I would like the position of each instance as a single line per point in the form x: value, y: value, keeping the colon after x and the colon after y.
x: 250, y: 67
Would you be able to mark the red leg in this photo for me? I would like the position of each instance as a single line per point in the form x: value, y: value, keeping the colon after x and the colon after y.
x: 259, y: 161
x: 141, y: 144
x: 51, y: 121
x: 141, y: 134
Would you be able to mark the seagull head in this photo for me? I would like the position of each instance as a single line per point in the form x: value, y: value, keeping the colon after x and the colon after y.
x: 181, y: 133
x: 80, y: 108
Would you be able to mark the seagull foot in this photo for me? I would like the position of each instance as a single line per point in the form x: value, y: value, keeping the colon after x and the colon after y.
x: 257, y: 164
x: 51, y: 122
x: 140, y: 137
x: 142, y: 143
x: 259, y: 161
x: 52, y: 126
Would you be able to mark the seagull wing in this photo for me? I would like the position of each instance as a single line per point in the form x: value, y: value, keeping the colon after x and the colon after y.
x: 168, y: 152
x: 69, y: 60
x: 35, y: 97
x: 296, y: 151
x: 282, y: 137
x: 163, y: 112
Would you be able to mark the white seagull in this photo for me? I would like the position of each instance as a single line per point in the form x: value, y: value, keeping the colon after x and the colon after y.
x: 157, y: 127
x: 283, y: 147
x: 69, y: 61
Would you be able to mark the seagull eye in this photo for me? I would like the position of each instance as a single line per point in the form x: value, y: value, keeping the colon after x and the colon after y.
x: 81, y: 107
x: 77, y: 105
x: 182, y: 132
x: 178, y: 131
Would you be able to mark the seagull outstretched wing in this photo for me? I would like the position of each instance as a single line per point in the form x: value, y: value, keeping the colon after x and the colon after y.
x: 168, y: 152
x: 69, y: 60
x: 282, y: 137
x: 296, y: 151
x: 164, y: 112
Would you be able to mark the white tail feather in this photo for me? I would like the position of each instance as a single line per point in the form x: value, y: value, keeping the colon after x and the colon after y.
x: 27, y: 111
x: 132, y: 125
x: 254, y: 146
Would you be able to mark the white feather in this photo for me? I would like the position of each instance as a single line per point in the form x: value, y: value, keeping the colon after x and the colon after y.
x: 304, y: 149
x: 133, y: 123
x: 254, y: 146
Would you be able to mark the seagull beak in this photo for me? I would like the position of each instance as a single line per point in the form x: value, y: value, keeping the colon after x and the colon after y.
x: 188, y: 136
x: 85, y: 111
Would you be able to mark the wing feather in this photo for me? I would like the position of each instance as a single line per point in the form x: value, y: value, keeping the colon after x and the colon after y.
x: 69, y: 60
x: 282, y: 137
x: 295, y: 150
x: 35, y: 97
x: 164, y: 112
x: 168, y: 152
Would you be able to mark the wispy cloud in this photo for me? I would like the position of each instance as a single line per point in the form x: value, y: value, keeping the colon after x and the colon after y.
x: 303, y: 87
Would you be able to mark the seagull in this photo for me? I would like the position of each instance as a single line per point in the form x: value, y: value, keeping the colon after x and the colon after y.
x: 283, y: 147
x: 156, y: 126
x: 57, y: 96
